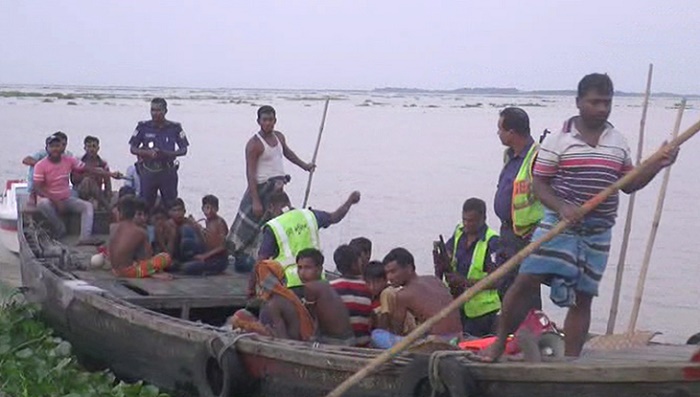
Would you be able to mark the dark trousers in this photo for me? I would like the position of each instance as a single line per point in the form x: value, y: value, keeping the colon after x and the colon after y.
x: 164, y: 181
x: 480, y: 326
x: 508, y: 245
x: 211, y: 266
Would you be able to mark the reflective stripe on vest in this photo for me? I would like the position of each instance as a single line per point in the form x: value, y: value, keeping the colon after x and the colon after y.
x: 294, y: 231
x: 486, y: 301
x: 526, y: 210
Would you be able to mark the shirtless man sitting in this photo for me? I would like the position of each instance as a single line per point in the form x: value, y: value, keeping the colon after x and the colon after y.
x: 215, y: 258
x: 421, y: 296
x: 129, y: 248
x: 326, y: 306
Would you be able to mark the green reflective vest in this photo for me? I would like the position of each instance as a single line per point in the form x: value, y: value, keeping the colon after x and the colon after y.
x: 526, y: 209
x: 294, y: 231
x: 486, y: 301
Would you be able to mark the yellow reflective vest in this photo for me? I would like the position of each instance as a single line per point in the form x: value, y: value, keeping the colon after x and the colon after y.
x: 526, y: 209
x: 294, y: 231
x: 486, y: 301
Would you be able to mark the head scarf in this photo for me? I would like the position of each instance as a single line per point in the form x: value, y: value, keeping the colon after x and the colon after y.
x: 269, y: 281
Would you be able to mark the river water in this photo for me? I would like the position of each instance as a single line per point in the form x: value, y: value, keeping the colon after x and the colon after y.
x: 415, y: 159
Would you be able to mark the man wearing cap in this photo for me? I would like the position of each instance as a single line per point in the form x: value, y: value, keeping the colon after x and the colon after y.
x: 515, y: 204
x: 32, y: 159
x: 158, y: 142
x: 51, y: 176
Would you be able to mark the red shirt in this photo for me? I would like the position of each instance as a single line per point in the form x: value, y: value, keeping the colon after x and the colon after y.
x: 358, y: 300
x: 54, y: 176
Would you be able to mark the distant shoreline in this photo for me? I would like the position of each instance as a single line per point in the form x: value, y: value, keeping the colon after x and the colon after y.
x: 21, y: 90
x: 486, y: 91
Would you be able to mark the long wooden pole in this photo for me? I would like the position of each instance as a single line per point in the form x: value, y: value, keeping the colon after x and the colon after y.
x: 652, y: 234
x: 505, y: 268
x: 313, y: 159
x: 628, y: 220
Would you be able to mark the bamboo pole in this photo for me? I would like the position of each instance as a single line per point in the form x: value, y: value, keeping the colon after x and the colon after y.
x: 628, y: 220
x: 652, y: 234
x: 313, y: 159
x: 506, y: 267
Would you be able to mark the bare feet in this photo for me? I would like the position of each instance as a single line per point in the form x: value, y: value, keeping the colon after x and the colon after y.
x: 492, y: 353
x: 528, y: 343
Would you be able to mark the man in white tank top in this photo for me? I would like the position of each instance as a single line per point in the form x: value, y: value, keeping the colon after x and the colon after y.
x: 264, y: 153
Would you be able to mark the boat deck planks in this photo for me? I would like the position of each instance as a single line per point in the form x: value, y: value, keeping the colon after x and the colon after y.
x: 226, y: 289
x: 645, y: 354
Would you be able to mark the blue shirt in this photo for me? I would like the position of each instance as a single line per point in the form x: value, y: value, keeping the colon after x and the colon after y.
x: 503, y: 201
x: 464, y: 254
x: 164, y: 137
x: 268, y: 247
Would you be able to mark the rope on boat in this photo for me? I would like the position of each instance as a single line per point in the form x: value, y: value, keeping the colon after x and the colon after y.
x: 436, y: 383
x: 227, y: 344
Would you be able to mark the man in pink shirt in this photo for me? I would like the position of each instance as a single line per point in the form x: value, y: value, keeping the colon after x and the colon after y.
x: 51, y: 176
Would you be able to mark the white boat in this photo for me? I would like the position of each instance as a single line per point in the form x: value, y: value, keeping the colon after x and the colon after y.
x: 8, y: 213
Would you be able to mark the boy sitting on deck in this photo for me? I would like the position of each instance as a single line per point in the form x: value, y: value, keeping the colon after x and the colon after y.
x: 129, y: 248
x: 353, y: 291
x: 215, y: 259
x: 363, y: 246
x: 188, y: 241
x: 383, y: 298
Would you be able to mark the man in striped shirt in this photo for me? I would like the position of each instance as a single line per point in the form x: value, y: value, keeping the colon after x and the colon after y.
x: 354, y: 292
x: 574, y: 165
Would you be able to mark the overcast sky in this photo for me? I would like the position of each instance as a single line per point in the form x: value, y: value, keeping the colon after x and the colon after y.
x: 353, y: 44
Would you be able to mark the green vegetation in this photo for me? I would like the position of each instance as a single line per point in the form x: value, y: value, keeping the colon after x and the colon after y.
x: 35, y: 363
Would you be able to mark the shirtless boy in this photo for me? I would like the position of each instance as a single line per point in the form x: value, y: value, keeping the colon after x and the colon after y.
x: 129, y: 249
x: 189, y: 240
x: 215, y: 259
x: 325, y: 305
x: 422, y: 296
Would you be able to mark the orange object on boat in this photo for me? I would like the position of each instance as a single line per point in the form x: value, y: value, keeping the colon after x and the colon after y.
x: 479, y: 344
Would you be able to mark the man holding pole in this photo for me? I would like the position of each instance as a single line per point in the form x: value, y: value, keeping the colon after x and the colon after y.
x: 515, y: 202
x: 572, y: 166
x: 264, y: 154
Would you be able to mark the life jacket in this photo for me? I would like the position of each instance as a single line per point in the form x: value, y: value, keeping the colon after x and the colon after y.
x: 526, y: 209
x: 486, y: 301
x: 294, y: 231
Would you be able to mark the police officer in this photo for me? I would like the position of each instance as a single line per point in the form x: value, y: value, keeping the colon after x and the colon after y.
x: 158, y: 142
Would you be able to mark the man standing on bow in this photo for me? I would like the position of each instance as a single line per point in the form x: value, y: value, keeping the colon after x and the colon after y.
x: 158, y: 142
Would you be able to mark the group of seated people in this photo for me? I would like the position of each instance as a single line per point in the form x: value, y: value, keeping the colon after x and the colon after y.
x: 370, y: 303
x: 167, y: 241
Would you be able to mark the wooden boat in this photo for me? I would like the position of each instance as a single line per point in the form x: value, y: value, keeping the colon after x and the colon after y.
x: 166, y: 332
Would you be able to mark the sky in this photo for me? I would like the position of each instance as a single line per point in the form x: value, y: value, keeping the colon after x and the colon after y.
x: 357, y: 44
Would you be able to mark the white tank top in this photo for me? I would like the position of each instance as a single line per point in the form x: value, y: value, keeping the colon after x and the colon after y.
x: 270, y: 162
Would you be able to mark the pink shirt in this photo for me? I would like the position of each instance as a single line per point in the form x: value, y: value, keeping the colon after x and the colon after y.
x: 54, y: 176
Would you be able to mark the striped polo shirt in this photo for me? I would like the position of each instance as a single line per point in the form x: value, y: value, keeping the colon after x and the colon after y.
x: 579, y: 171
x: 358, y: 300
